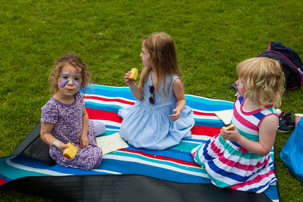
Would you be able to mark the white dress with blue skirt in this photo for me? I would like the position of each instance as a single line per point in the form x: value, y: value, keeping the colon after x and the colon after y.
x: 149, y: 126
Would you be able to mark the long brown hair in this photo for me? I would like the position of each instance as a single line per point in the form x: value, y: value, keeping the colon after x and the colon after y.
x: 163, y: 57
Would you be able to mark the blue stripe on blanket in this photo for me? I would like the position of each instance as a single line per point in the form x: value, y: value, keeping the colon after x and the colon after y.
x: 109, y: 91
x: 205, y: 105
x: 209, y: 123
x: 109, y: 108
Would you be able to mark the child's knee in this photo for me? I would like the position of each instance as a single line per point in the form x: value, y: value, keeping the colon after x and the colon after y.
x: 99, y: 127
x: 98, y: 162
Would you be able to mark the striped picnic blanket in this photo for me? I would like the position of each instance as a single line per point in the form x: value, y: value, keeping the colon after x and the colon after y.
x: 174, y: 164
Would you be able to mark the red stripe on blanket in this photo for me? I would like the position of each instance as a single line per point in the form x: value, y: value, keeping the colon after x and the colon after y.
x: 2, y: 181
x: 132, y: 103
x: 205, y: 130
x: 187, y: 163
x: 108, y: 99
x: 113, y: 116
x: 103, y: 115
x: 203, y: 113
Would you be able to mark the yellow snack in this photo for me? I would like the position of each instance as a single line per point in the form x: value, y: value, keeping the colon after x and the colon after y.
x: 230, y: 127
x: 71, y: 151
x: 133, y: 74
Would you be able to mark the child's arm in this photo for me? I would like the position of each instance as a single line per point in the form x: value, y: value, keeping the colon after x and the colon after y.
x: 83, y: 138
x: 133, y: 87
x: 180, y: 99
x: 267, y: 135
x: 48, y: 138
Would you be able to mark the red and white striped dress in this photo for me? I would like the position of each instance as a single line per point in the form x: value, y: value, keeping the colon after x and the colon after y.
x: 230, y: 165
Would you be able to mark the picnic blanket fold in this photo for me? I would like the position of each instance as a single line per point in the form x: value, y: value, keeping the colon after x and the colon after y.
x: 173, y: 167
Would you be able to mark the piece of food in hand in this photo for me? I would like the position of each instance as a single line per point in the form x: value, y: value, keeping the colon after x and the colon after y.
x: 71, y: 151
x: 133, y: 74
x: 230, y: 127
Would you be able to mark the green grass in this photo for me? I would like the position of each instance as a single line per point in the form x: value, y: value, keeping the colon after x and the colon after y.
x: 211, y: 38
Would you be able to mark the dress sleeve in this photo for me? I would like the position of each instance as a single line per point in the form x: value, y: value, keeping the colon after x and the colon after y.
x: 175, y: 77
x: 79, y: 98
x: 49, y: 113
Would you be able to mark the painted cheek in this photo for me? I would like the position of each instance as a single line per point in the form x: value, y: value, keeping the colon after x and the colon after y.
x: 63, y: 83
x: 77, y: 83
x: 243, y: 90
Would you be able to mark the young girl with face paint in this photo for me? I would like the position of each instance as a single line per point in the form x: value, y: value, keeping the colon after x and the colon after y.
x: 64, y: 118
x: 160, y: 118
x: 240, y: 159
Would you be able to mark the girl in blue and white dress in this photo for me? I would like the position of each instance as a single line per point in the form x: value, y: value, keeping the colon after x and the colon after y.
x: 160, y: 118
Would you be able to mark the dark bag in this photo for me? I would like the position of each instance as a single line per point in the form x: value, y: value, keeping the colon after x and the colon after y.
x: 290, y: 61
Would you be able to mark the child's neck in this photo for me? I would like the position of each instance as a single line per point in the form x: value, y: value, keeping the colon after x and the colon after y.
x: 64, y: 99
x: 250, y: 105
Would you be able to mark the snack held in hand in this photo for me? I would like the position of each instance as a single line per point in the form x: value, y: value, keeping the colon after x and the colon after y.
x: 133, y: 74
x: 71, y: 151
x: 230, y: 127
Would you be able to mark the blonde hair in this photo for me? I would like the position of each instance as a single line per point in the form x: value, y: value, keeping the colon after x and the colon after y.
x: 264, y: 80
x: 76, y: 62
x: 163, y: 57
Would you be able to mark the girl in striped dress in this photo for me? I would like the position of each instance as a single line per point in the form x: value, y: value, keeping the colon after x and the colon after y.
x: 240, y: 159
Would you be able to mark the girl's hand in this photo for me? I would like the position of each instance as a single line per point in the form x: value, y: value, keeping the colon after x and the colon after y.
x: 230, y: 135
x: 60, y: 145
x: 175, y: 115
x: 133, y: 87
x: 180, y: 99
x: 84, y: 141
x: 126, y: 78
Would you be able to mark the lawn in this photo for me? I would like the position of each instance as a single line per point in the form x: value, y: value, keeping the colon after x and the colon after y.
x: 211, y: 38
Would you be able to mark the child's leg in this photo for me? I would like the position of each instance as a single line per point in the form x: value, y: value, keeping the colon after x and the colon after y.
x: 99, y: 127
x: 98, y: 162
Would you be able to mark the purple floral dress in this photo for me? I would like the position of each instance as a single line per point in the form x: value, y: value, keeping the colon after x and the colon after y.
x: 68, y: 127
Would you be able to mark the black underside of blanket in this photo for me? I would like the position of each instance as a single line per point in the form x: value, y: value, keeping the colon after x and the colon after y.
x: 114, y: 187
x: 32, y: 146
x: 126, y: 188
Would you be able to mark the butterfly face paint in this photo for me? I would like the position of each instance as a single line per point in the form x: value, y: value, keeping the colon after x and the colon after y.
x: 66, y: 77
